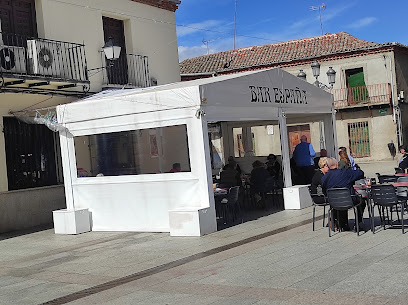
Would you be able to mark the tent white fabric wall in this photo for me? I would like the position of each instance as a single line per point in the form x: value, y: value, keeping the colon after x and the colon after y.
x: 182, y: 204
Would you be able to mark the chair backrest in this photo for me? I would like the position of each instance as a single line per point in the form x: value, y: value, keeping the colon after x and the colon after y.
x: 398, y: 170
x: 387, y: 178
x: 339, y: 198
x: 360, y: 182
x: 403, y: 179
x: 233, y: 194
x: 384, y: 194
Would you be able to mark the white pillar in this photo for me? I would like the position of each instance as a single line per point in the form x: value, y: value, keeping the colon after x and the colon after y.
x: 285, y: 148
x: 247, y: 141
x: 330, y: 134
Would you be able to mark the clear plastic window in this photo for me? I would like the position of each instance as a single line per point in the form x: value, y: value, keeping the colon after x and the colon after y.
x: 134, y: 152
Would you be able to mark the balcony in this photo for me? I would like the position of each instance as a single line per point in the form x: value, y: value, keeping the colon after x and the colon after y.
x: 42, y: 66
x: 362, y: 96
x: 129, y: 70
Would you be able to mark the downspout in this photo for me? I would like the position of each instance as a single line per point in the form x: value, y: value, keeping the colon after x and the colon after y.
x: 395, y: 106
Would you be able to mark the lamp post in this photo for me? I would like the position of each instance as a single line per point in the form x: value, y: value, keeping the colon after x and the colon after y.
x: 331, y: 76
x: 302, y: 75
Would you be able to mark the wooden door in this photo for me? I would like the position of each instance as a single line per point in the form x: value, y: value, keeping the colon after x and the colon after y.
x: 295, y: 132
x: 117, y: 70
x: 17, y: 17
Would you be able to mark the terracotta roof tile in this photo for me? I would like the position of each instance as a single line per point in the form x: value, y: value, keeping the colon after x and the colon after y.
x: 281, y: 52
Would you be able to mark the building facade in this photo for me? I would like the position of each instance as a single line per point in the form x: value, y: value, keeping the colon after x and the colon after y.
x: 50, y: 54
x: 370, y: 81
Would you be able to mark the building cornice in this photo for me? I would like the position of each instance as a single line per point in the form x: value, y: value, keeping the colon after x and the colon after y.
x: 169, y: 5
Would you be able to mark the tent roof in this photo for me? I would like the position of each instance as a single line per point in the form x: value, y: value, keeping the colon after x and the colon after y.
x: 257, y: 95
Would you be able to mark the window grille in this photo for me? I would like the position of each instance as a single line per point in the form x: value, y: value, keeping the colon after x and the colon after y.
x: 359, y: 139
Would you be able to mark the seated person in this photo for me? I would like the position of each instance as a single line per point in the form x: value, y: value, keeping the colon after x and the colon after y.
x: 176, y: 168
x: 323, y: 153
x: 344, y: 177
x: 403, y: 162
x: 344, y: 161
x: 230, y: 176
x: 234, y: 164
x: 259, y: 175
x: 316, y: 186
x: 273, y: 166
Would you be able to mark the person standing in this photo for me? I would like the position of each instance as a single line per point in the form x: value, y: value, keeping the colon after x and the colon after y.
x: 303, y: 156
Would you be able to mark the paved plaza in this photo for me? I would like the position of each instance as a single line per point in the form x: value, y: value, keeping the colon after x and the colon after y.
x: 276, y: 259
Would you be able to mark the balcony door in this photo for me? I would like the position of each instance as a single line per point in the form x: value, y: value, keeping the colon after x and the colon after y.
x: 356, y: 87
x: 17, y: 17
x: 117, y: 70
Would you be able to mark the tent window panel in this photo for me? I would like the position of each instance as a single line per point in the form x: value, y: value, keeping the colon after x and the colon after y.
x: 134, y: 152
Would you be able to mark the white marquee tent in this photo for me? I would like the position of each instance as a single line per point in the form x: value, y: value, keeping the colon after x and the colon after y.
x: 180, y: 203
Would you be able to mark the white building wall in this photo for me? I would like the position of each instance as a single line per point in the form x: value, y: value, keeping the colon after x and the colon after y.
x: 149, y: 31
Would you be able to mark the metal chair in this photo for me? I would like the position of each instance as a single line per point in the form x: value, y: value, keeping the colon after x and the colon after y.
x: 319, y: 201
x: 385, y: 196
x: 340, y: 200
x: 230, y: 205
x: 387, y: 178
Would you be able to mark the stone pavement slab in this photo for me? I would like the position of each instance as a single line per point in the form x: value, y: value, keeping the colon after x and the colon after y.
x: 276, y: 259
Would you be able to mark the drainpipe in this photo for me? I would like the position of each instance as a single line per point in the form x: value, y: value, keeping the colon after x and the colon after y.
x: 395, y: 106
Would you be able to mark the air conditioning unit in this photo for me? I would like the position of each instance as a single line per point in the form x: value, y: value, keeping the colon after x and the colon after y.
x: 48, y: 58
x: 13, y: 59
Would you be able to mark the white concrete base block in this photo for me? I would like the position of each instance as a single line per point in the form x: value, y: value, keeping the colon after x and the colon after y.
x: 71, y: 221
x: 192, y: 222
x: 297, y: 197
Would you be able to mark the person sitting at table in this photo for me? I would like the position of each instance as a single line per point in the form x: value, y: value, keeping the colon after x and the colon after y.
x: 316, y: 186
x: 403, y: 162
x: 259, y: 177
x: 344, y: 161
x: 234, y: 164
x: 176, y: 168
x: 354, y: 166
x: 323, y: 153
x: 273, y: 166
x: 230, y: 176
x: 346, y: 178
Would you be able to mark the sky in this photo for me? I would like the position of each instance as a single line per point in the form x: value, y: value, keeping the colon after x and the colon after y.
x: 207, y: 26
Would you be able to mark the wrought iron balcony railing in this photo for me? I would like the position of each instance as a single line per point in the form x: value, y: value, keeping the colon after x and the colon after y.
x: 43, y: 58
x: 129, y: 69
x: 362, y: 95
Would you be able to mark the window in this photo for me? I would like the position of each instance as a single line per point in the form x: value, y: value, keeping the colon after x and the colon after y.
x: 134, y: 152
x: 18, y: 17
x: 30, y: 154
x: 359, y: 139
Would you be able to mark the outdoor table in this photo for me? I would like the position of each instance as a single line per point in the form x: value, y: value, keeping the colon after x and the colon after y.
x: 397, y: 184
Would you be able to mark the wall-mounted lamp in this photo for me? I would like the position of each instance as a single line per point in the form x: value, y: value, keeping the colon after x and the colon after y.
x: 112, y: 52
x: 302, y: 75
x: 111, y: 49
x: 331, y: 75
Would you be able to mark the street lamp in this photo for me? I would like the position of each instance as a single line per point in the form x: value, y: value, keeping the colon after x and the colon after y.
x: 302, y: 75
x: 331, y: 75
x: 111, y: 49
x: 112, y: 52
